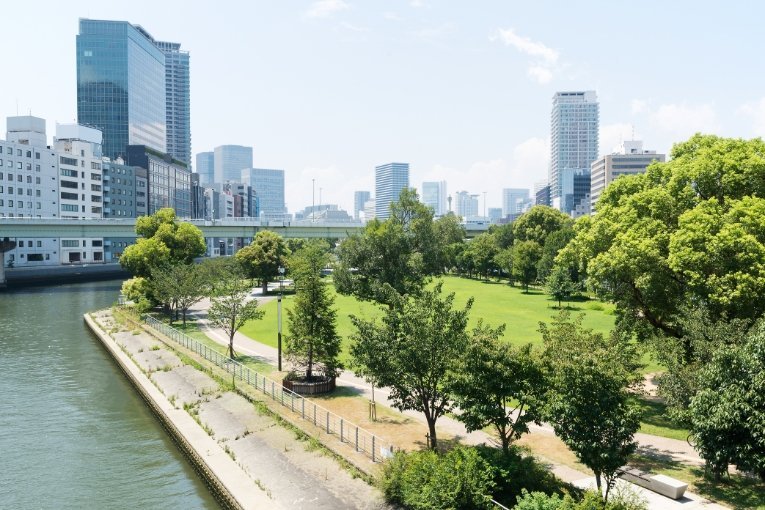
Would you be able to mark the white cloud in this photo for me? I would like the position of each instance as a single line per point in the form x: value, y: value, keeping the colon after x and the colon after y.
x: 325, y: 8
x: 527, y: 46
x: 544, y: 60
x: 417, y: 3
x: 680, y: 121
x: 433, y: 34
x: 639, y: 106
x: 353, y: 28
x: 390, y: 15
x: 541, y: 74
x: 756, y: 112
x: 527, y: 164
x: 612, y: 135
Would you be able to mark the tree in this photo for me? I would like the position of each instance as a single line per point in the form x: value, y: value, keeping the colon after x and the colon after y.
x: 414, y: 351
x: 728, y: 411
x: 687, y: 232
x: 498, y: 385
x: 180, y: 286
x: 504, y: 261
x: 312, y: 339
x: 554, y: 243
x: 525, y: 258
x: 449, y: 233
x: 503, y: 234
x: 559, y: 284
x: 263, y: 257
x: 588, y: 404
x: 538, y: 223
x: 399, y: 254
x: 163, y: 241
x: 230, y: 308
x: 482, y: 250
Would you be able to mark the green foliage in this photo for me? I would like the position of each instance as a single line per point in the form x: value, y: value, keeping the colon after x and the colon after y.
x: 263, y: 257
x: 414, y: 351
x: 503, y: 234
x: 399, y: 254
x: 538, y: 223
x: 555, y: 242
x: 728, y: 412
x: 559, y: 284
x: 230, y: 309
x: 179, y: 286
x: 482, y: 251
x: 590, y: 500
x: 313, y: 338
x: 163, y: 241
x: 687, y: 232
x: 139, y: 291
x: 526, y: 255
x: 498, y: 385
x: 459, y: 479
x: 588, y: 405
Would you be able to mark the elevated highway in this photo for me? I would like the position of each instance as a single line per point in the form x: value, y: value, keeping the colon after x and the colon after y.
x: 230, y: 227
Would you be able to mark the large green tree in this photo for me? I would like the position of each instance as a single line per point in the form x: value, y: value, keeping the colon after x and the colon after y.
x: 538, y: 223
x: 482, y: 250
x: 498, y: 385
x: 162, y: 241
x: 525, y: 256
x: 728, y: 412
x: 179, y: 286
x: 588, y: 403
x: 263, y: 257
x: 559, y: 284
x: 398, y: 254
x: 688, y: 231
x: 312, y: 340
x: 414, y: 351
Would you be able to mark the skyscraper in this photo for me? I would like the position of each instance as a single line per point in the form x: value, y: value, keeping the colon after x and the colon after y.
x: 230, y: 160
x: 121, y: 85
x: 390, y: 180
x: 434, y: 195
x: 573, y: 147
x: 514, y: 200
x: 467, y: 205
x: 269, y: 187
x: 206, y: 167
x: 177, y: 101
x: 359, y: 199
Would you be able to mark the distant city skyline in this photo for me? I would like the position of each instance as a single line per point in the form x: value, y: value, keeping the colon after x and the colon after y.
x: 496, y: 69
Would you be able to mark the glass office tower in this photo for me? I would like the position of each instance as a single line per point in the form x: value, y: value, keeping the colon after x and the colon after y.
x: 178, y: 101
x: 390, y: 180
x: 121, y: 87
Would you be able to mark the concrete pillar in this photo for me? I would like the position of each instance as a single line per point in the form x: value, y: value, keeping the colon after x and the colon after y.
x: 5, y: 245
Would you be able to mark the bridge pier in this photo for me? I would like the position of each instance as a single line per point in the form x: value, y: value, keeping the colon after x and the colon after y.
x: 5, y: 245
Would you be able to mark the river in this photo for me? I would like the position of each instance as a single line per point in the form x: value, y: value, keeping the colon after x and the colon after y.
x: 73, y: 432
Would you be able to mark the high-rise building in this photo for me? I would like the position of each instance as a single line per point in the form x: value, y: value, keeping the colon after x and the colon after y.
x: 359, y: 199
x: 269, y: 187
x: 230, y: 160
x: 514, y: 200
x: 573, y: 147
x: 169, y: 181
x: 542, y: 195
x: 121, y: 85
x: 628, y: 159
x: 390, y: 180
x: 206, y: 167
x: 467, y: 205
x: 495, y: 214
x: 434, y: 195
x: 177, y: 101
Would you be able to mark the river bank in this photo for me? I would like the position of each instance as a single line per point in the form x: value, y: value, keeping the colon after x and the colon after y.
x: 264, y: 462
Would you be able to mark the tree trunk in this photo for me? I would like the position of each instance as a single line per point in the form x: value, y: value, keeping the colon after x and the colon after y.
x: 432, y: 432
x: 265, y: 286
x: 184, y: 317
x: 597, y: 480
x: 231, y: 346
x: 309, y: 369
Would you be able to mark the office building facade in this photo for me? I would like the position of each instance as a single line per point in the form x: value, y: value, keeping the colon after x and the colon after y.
x: 177, y: 101
x: 628, y: 159
x: 121, y: 85
x: 574, y: 135
x: 514, y: 200
x: 169, y: 181
x: 269, y: 187
x: 205, y: 167
x: 229, y: 161
x: 390, y: 180
x: 359, y: 199
x: 467, y: 205
x: 434, y: 196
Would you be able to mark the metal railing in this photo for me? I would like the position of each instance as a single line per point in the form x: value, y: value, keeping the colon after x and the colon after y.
x: 348, y: 432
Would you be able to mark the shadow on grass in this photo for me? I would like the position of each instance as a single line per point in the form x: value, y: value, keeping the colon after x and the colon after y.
x: 655, y: 413
x: 737, y: 491
x: 341, y: 391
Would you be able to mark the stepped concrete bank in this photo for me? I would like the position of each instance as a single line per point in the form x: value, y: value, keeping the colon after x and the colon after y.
x: 247, y: 458
x: 228, y: 482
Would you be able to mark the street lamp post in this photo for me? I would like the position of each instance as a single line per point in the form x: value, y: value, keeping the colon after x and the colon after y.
x: 279, y: 317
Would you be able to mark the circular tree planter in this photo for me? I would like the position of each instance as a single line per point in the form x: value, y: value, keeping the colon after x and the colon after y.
x: 317, y: 386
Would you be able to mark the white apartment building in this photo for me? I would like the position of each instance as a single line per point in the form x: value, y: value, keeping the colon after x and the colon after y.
x: 29, y: 187
x: 80, y: 188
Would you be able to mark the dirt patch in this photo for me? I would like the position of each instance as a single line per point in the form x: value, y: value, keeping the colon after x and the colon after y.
x: 186, y: 384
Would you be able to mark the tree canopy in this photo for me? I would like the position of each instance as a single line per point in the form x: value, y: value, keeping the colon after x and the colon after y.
x: 263, y: 257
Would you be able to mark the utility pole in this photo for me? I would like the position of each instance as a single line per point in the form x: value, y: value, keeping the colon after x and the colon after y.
x: 279, y: 319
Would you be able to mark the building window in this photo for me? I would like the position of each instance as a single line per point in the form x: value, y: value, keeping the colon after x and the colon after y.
x: 21, y: 244
x: 37, y: 168
x: 70, y: 243
x: 68, y: 161
x: 19, y: 165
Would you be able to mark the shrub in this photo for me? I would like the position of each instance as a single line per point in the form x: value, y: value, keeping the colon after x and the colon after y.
x: 459, y: 479
x: 590, y: 500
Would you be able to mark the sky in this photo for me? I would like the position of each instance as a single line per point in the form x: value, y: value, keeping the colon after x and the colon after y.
x: 462, y: 91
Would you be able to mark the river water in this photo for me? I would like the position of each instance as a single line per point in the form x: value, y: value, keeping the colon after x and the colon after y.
x: 73, y: 432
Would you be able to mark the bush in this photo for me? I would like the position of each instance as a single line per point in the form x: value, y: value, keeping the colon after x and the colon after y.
x: 590, y: 500
x: 459, y: 479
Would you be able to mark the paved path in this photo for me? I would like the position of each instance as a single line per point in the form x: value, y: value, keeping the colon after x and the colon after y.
x: 670, y: 449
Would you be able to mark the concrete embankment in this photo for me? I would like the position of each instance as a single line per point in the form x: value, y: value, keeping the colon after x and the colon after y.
x: 261, y: 464
x: 46, y: 275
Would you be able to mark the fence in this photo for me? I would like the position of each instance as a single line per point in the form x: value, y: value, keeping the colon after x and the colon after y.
x: 349, y: 433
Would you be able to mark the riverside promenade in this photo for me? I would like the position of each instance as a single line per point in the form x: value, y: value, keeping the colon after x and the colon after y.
x: 245, y: 456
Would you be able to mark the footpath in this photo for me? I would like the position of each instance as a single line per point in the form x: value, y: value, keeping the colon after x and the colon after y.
x: 668, y: 448
x: 247, y: 458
